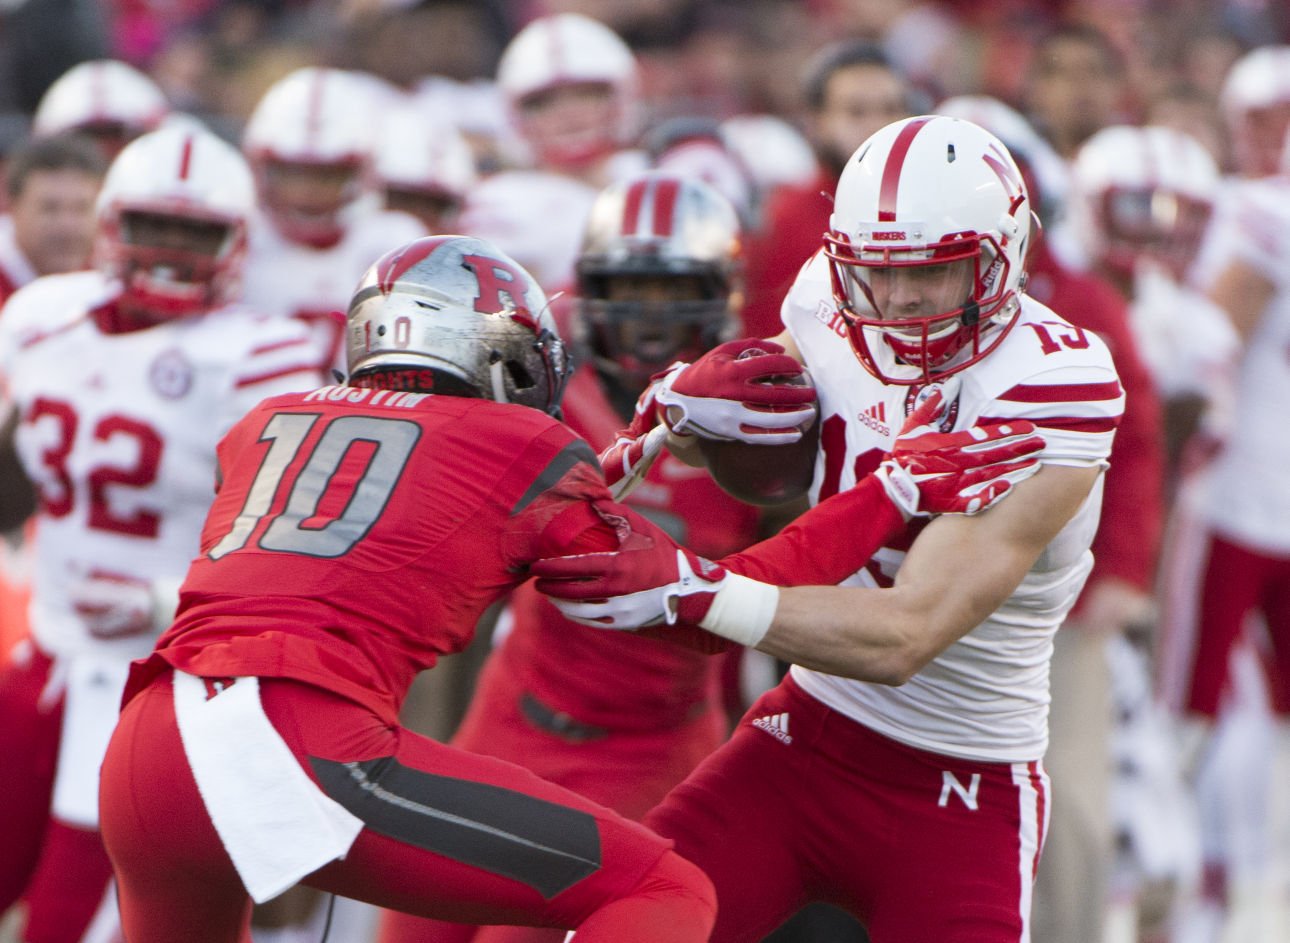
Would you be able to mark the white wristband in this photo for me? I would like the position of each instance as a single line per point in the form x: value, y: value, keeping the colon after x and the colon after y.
x: 742, y: 610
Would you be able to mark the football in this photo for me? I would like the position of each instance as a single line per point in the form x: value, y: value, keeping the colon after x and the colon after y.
x: 763, y: 474
x: 766, y: 474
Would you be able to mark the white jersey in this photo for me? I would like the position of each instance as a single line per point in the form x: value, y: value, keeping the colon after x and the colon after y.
x: 986, y: 696
x: 118, y: 433
x: 535, y: 217
x: 287, y: 279
x: 1186, y: 341
x: 15, y: 268
x: 1249, y: 496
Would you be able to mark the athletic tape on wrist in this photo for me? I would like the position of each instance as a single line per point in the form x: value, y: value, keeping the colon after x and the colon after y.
x: 742, y: 610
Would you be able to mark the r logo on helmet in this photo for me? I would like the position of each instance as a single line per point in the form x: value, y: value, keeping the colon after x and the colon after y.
x: 496, y: 278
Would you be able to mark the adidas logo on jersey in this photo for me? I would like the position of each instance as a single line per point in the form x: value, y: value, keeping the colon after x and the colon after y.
x: 776, y: 725
x: 875, y: 417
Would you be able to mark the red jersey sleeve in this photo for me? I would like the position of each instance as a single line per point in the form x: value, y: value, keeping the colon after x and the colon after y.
x: 557, y: 513
x: 828, y: 543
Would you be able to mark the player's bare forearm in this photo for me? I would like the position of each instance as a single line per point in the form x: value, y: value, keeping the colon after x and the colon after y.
x: 958, y: 571
x: 17, y: 496
x: 1244, y: 294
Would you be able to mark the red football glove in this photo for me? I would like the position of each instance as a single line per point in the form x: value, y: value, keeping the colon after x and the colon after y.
x: 932, y: 472
x: 651, y: 581
x: 635, y: 448
x: 741, y: 390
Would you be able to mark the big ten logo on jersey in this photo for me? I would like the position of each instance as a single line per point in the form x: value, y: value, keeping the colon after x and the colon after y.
x: 828, y: 315
x: 951, y: 785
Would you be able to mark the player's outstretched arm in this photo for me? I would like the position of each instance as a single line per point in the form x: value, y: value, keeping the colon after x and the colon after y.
x: 17, y: 495
x: 656, y: 582
x: 958, y: 571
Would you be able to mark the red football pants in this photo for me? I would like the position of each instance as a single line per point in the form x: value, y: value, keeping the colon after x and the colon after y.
x: 60, y: 871
x: 176, y: 881
x: 628, y: 771
x: 1238, y: 581
x: 805, y: 805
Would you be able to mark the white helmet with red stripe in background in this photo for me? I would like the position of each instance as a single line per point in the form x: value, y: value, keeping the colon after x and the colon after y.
x: 172, y: 224
x: 927, y: 247
x: 1255, y: 103
x: 1143, y: 193
x: 308, y: 142
x: 107, y: 100
x: 571, y: 85
x: 658, y: 274
x: 422, y: 166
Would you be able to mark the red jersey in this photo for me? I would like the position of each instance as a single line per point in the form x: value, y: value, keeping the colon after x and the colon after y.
x: 796, y: 220
x: 613, y: 679
x: 359, y: 534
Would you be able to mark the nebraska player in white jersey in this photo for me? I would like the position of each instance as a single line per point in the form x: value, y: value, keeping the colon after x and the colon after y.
x: 897, y: 771
x: 308, y: 142
x: 1231, y: 568
x: 120, y: 381
x: 570, y: 85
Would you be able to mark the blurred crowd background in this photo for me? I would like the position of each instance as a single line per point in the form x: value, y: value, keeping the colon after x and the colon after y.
x: 214, y: 58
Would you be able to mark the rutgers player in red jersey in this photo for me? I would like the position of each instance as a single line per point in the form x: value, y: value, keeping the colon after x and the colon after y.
x: 121, y: 380
x: 897, y: 771
x: 616, y: 719
x: 358, y: 534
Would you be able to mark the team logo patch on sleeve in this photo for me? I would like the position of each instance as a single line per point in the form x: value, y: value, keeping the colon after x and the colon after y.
x: 171, y: 374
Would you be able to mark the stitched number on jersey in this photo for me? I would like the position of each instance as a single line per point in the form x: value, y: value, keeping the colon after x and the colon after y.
x: 833, y: 440
x: 337, y: 496
x: 117, y: 433
x: 1075, y: 339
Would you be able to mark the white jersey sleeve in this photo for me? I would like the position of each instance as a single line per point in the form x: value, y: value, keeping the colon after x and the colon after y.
x: 986, y: 696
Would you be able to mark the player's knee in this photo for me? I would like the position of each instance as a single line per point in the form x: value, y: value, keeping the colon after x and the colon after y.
x: 690, y: 891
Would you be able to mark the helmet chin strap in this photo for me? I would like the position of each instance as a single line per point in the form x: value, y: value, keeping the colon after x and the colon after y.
x: 496, y: 376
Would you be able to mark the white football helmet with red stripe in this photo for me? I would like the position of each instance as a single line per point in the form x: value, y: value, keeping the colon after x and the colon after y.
x: 567, y: 50
x: 1255, y: 102
x: 456, y: 315
x: 668, y: 229
x: 927, y: 245
x: 308, y: 143
x: 421, y: 163
x: 172, y: 223
x: 108, y: 100
x: 1143, y: 193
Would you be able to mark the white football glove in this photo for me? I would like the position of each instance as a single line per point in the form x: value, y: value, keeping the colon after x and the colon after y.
x: 113, y: 606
